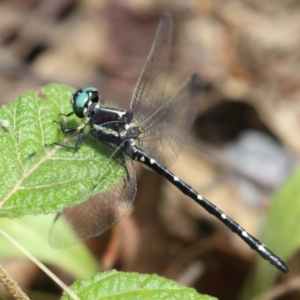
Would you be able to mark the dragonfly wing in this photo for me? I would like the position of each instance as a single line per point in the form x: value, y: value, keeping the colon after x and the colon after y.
x: 162, y: 135
x: 150, y: 88
x: 96, y: 215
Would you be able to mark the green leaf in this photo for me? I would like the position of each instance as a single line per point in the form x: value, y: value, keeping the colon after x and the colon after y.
x: 119, y: 285
x: 280, y: 233
x: 35, y: 178
x: 32, y: 233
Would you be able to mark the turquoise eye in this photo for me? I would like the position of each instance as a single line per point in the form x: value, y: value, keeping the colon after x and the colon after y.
x: 81, y: 100
x: 90, y: 90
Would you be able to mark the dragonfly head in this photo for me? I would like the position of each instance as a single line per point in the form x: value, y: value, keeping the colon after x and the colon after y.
x: 82, y: 100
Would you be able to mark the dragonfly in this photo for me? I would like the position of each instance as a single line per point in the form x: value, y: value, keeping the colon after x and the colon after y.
x: 152, y: 131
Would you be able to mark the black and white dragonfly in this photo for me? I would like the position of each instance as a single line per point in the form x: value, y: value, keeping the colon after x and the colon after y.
x: 152, y: 132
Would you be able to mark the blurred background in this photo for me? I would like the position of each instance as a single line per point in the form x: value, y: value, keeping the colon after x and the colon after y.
x: 243, y: 146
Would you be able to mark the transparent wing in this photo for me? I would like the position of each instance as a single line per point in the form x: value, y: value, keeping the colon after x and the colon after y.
x: 149, y: 91
x: 162, y: 134
x: 96, y: 215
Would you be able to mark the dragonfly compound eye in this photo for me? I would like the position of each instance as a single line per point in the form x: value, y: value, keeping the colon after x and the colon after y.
x: 82, y: 99
x: 80, y: 102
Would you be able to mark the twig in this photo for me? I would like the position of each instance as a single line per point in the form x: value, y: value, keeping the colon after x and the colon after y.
x: 11, y: 286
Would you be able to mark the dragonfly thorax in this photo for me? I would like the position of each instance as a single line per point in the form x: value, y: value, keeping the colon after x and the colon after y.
x: 82, y: 100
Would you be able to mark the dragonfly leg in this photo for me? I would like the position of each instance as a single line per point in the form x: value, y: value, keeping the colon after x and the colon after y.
x: 80, y: 129
x: 77, y: 145
x: 68, y: 130
x: 67, y: 115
